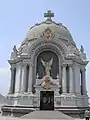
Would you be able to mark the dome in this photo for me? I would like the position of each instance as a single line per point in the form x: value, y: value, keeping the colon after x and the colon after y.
x: 56, y: 28
x: 57, y: 34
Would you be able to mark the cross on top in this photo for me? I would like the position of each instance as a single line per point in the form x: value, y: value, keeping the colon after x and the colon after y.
x: 49, y: 15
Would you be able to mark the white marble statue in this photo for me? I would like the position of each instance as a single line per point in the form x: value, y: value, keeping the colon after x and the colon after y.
x: 47, y: 66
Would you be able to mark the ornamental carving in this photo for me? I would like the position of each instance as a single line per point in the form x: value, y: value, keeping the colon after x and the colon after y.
x: 52, y: 43
x: 47, y: 34
x: 47, y: 84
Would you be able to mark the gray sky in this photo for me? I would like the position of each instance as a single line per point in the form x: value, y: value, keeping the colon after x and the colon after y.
x: 17, y: 16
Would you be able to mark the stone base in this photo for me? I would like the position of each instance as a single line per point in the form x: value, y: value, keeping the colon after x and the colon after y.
x: 73, y: 100
x: 33, y: 100
x: 68, y: 103
x: 18, y: 111
x: 25, y: 99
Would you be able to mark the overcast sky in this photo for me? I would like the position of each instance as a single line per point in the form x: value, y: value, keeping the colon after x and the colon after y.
x: 17, y: 16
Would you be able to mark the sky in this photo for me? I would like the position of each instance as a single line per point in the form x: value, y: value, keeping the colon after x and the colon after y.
x: 17, y: 16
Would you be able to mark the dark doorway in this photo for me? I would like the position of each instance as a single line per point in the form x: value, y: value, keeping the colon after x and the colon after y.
x: 47, y: 100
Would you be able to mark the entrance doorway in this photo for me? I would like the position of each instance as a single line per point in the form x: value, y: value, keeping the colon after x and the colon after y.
x: 46, y: 100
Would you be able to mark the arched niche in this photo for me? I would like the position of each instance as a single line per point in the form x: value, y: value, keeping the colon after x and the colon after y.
x: 46, y: 56
x: 40, y: 49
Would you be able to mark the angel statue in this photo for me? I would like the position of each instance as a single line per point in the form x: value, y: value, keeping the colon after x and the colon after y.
x: 47, y: 66
x: 15, y: 49
x: 82, y: 49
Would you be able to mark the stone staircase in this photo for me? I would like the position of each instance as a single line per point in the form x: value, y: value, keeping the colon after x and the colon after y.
x: 46, y: 115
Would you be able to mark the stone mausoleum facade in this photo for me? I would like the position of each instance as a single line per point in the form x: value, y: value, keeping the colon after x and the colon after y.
x: 47, y: 70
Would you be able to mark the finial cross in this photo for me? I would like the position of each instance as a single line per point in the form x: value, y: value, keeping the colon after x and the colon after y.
x: 49, y: 15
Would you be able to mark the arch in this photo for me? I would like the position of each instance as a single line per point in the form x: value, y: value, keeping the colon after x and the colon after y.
x: 59, y: 45
x: 46, y: 47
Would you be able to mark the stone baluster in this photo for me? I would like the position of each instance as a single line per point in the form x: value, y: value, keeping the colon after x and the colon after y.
x: 37, y: 76
x: 57, y: 76
x: 64, y: 79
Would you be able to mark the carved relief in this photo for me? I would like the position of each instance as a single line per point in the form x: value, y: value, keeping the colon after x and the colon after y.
x: 47, y: 84
x: 60, y: 47
x: 47, y: 34
x: 47, y: 66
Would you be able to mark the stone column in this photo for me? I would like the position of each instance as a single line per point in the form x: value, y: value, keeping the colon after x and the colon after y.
x: 12, y: 81
x: 20, y: 77
x: 30, y: 78
x: 64, y: 90
x: 83, y: 81
x: 17, y: 82
x: 23, y: 78
x: 71, y: 79
x: 77, y: 79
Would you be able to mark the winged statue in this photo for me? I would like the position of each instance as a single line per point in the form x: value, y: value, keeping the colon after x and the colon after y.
x: 47, y: 66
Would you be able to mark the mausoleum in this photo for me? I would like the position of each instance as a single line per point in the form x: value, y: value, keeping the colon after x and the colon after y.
x: 47, y: 71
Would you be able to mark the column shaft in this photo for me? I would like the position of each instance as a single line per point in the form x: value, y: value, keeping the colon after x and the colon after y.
x: 23, y: 79
x: 71, y: 79
x: 30, y: 79
x: 77, y: 79
x: 11, y: 82
x: 17, y: 81
x: 64, y: 79
x: 83, y: 81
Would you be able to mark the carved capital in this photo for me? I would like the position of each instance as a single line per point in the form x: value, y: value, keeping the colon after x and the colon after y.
x: 12, y: 69
x: 71, y: 65
x: 83, y: 69
x: 64, y: 65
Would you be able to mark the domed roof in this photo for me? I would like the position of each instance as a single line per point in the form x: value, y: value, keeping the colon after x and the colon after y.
x: 56, y: 29
x: 49, y: 30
